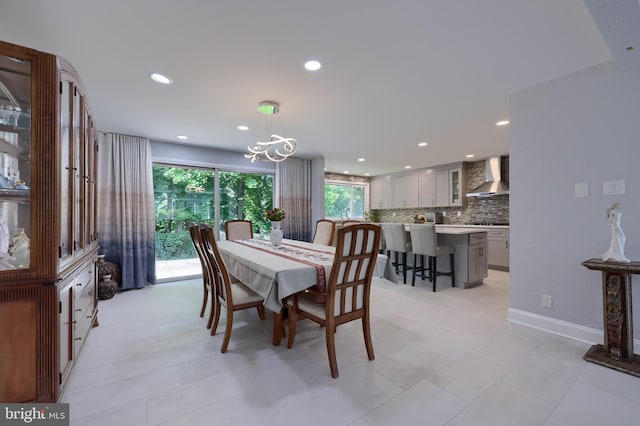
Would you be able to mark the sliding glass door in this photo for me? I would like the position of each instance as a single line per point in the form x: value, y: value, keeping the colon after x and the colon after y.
x: 190, y: 195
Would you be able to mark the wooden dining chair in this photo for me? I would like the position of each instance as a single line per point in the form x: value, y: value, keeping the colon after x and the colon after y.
x: 196, y: 239
x: 325, y: 230
x: 347, y: 293
x: 350, y: 222
x: 238, y: 229
x: 230, y: 292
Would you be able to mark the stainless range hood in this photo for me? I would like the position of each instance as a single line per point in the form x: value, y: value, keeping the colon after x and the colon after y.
x: 493, y: 185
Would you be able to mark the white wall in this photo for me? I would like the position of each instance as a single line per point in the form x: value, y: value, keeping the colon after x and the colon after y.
x: 175, y: 153
x: 584, y: 127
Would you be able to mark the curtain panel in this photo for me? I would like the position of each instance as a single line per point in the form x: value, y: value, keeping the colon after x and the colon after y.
x: 294, y: 175
x: 126, y: 214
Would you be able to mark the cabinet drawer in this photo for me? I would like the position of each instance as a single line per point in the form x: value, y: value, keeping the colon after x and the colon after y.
x: 83, y: 279
x: 498, y: 233
x: 477, y: 238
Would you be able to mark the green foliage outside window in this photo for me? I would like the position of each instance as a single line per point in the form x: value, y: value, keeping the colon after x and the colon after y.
x: 184, y: 196
x: 344, y: 201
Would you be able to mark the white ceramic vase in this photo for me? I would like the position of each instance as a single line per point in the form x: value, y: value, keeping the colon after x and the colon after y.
x: 275, y: 235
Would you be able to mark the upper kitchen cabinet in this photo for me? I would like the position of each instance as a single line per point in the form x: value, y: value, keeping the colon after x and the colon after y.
x: 381, y: 196
x: 47, y: 222
x: 434, y: 188
x: 406, y: 192
x: 458, y: 186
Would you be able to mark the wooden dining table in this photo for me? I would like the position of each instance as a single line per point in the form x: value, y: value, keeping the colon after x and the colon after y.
x: 276, y: 273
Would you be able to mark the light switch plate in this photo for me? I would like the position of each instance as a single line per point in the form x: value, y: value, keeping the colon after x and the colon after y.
x: 582, y: 189
x: 613, y: 187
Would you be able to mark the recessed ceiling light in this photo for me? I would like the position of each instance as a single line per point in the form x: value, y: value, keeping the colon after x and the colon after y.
x: 312, y: 65
x: 243, y: 128
x: 469, y: 155
x: 422, y: 144
x: 502, y: 123
x: 407, y: 167
x: 367, y: 174
x: 183, y: 137
x: 346, y: 172
x: 361, y: 160
x: 159, y: 78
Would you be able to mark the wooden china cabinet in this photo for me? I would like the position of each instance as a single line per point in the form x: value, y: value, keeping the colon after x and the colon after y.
x: 48, y: 230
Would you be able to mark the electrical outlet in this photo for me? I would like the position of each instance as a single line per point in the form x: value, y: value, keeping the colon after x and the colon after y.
x: 546, y: 301
x: 394, y: 214
x: 459, y: 213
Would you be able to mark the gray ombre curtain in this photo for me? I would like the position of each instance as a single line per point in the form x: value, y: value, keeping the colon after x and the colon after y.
x: 294, y: 188
x: 126, y: 210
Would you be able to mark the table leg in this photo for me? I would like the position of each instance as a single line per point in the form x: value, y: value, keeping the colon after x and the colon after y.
x: 279, y: 321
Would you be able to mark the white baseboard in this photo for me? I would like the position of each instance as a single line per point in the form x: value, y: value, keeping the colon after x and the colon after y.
x: 561, y: 328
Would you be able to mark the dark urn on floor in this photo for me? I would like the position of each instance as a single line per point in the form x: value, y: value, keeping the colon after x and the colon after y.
x: 108, y: 268
x: 106, y: 287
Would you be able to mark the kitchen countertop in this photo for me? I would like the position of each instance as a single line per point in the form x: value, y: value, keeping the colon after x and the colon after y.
x: 460, y: 225
x: 452, y: 230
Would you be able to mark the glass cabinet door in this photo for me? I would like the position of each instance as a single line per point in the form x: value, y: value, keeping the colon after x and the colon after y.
x: 454, y: 190
x: 15, y: 162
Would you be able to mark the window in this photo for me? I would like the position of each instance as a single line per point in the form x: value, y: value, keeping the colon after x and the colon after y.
x: 344, y: 200
x: 246, y: 196
x: 186, y: 195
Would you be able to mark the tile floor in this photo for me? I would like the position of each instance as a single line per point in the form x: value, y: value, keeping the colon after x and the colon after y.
x: 445, y: 358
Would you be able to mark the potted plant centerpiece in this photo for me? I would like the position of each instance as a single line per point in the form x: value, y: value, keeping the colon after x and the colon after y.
x: 275, y: 216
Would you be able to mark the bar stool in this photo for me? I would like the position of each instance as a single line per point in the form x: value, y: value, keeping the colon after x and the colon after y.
x: 424, y: 242
x: 395, y: 239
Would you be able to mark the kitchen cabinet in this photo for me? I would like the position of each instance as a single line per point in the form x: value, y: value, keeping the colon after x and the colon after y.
x: 48, y: 232
x: 498, y: 242
x: 470, y: 254
x: 427, y: 187
x: 457, y: 186
x: 406, y: 191
x: 381, y: 193
x: 434, y: 188
x: 478, y: 266
x: 442, y: 188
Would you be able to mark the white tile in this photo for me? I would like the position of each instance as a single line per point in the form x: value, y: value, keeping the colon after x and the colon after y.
x: 448, y: 358
x: 611, y: 381
x: 468, y: 376
x: 423, y: 404
x: 546, y: 378
x: 586, y: 405
x: 130, y: 414
x: 504, y: 404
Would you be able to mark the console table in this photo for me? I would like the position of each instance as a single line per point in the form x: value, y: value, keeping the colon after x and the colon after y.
x: 617, y: 351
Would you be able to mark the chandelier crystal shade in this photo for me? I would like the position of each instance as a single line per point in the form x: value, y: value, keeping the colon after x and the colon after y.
x: 276, y: 148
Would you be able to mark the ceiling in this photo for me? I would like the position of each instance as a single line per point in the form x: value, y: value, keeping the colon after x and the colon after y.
x: 395, y: 73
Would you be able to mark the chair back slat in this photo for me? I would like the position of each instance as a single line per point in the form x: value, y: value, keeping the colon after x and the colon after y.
x: 194, y: 231
x: 352, y: 270
x: 219, y: 269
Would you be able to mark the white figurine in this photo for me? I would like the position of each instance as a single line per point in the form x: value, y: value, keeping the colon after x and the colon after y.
x: 616, y: 250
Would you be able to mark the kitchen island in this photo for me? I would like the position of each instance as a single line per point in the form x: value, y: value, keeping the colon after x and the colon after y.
x: 470, y: 257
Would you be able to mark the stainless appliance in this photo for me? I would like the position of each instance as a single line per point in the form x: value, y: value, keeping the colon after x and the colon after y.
x: 433, y: 217
x: 494, y: 184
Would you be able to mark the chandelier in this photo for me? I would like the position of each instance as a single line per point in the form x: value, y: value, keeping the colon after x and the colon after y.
x: 277, y: 148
